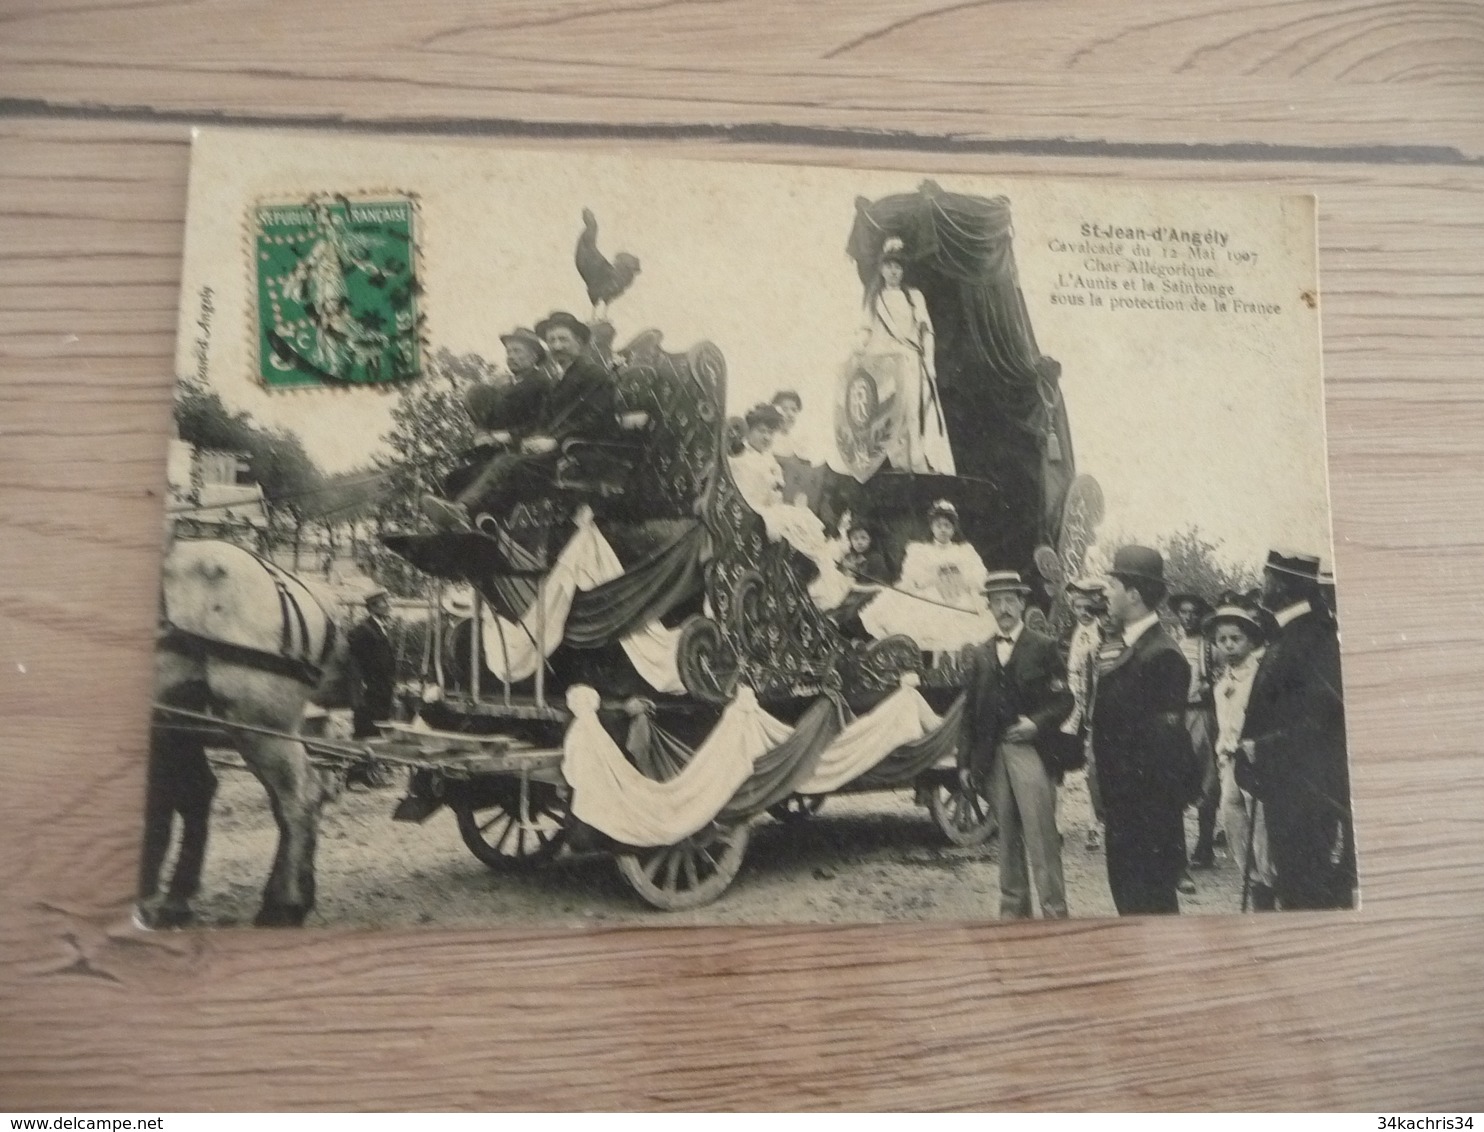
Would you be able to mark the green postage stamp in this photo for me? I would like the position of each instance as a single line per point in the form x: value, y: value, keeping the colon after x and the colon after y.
x: 337, y: 292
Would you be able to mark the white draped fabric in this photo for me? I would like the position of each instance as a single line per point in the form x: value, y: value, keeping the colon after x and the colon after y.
x: 759, y: 478
x: 587, y: 561
x: 610, y: 795
x: 939, y: 601
x: 901, y: 718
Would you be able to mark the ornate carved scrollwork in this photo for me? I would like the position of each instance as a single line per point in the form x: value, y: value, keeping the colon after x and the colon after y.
x: 880, y: 664
x: 1081, y: 514
x: 707, y: 662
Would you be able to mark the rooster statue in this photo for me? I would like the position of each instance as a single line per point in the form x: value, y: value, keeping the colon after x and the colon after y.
x: 605, y: 281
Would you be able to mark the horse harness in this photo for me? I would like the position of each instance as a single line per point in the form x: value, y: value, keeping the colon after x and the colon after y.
x: 293, y: 658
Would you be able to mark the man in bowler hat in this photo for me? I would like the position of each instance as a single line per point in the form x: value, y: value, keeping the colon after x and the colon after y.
x: 1146, y: 768
x: 1016, y: 695
x: 1293, y: 742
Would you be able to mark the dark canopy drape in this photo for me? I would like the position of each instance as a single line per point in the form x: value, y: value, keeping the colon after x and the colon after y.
x: 645, y: 592
x: 1000, y: 393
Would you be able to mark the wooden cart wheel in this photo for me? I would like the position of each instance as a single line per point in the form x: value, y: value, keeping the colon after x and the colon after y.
x: 796, y: 808
x: 966, y: 817
x: 689, y: 874
x: 496, y: 836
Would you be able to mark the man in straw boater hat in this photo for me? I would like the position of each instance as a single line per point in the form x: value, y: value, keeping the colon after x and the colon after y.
x: 1016, y: 697
x: 1293, y: 742
x: 1147, y: 771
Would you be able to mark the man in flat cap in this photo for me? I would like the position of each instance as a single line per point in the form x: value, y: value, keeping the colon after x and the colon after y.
x: 373, y: 678
x: 1293, y: 742
x: 1017, y: 697
x: 1147, y: 771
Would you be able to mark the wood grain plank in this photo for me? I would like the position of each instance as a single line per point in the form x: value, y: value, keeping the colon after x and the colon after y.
x: 1319, y: 75
x: 1379, y: 1009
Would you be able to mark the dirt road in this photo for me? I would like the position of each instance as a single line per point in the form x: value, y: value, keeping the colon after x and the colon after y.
x: 871, y: 857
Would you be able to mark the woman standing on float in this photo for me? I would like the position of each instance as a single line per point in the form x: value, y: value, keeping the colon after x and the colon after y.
x: 897, y: 336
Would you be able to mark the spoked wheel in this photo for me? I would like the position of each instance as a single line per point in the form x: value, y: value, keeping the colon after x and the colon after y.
x: 689, y: 874
x: 497, y: 836
x: 797, y: 808
x: 965, y: 816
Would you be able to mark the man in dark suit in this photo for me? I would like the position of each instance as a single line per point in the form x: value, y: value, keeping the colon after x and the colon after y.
x: 1017, y: 698
x: 373, y: 667
x: 581, y: 405
x: 1293, y: 742
x: 1147, y: 770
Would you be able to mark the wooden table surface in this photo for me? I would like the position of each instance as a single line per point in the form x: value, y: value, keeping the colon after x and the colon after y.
x: 1375, y: 106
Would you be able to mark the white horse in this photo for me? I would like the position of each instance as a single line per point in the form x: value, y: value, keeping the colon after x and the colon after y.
x: 247, y: 643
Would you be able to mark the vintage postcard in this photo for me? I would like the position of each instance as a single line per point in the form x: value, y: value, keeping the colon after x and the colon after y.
x: 569, y: 538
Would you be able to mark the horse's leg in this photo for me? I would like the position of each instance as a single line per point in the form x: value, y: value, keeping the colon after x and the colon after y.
x: 158, y: 811
x: 195, y: 787
x: 294, y: 793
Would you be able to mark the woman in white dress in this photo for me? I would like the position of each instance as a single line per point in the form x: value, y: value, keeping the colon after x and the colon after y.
x: 759, y: 478
x: 939, y: 600
x: 897, y: 338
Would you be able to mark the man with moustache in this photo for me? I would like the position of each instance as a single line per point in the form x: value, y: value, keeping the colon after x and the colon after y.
x: 1146, y: 767
x: 579, y: 405
x: 1016, y: 695
x: 504, y: 413
x: 1292, y: 754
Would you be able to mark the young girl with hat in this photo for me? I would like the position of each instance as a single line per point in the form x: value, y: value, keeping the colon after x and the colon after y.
x: 939, y: 600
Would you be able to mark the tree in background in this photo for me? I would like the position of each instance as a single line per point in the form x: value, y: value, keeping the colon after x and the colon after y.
x: 290, y: 479
x: 431, y: 432
x: 1193, y: 562
x: 430, y: 435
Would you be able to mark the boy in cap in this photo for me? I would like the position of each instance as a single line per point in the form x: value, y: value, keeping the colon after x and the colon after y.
x: 1236, y: 636
x: 1190, y: 609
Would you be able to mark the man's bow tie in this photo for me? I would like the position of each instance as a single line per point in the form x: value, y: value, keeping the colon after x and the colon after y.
x: 1001, y: 639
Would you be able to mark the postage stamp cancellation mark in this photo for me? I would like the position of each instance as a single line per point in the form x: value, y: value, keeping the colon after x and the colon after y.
x: 338, y: 295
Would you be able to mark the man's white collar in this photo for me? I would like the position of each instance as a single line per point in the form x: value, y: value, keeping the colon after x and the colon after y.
x: 1132, y: 632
